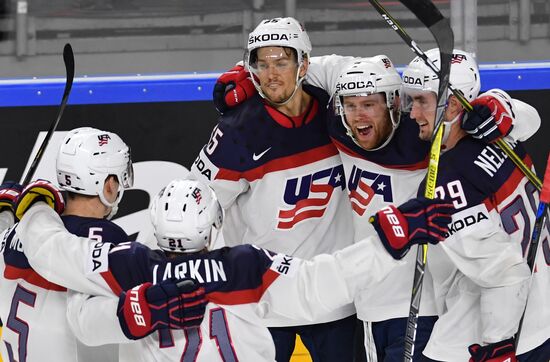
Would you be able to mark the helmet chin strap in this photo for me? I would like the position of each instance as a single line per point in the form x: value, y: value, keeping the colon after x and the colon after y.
x: 447, y: 130
x: 112, y: 205
x: 299, y: 81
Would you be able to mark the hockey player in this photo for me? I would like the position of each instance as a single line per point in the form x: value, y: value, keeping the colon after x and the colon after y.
x: 246, y: 285
x: 383, y: 164
x: 278, y: 176
x: 94, y: 167
x: 479, y: 273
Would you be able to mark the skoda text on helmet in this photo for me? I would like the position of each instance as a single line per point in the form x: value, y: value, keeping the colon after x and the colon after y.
x: 277, y: 32
x: 365, y: 77
x: 419, y: 78
x: 464, y: 75
x: 183, y: 214
x: 87, y: 157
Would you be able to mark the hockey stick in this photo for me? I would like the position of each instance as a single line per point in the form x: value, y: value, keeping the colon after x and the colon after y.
x: 423, y: 16
x: 441, y: 30
x: 540, y: 221
x: 68, y: 59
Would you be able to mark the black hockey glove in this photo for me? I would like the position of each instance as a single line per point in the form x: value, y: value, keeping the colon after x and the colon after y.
x: 502, y: 351
x: 168, y: 305
x: 39, y: 190
x: 491, y: 118
x: 417, y: 221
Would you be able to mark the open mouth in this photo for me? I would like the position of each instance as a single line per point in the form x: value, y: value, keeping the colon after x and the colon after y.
x: 364, y: 130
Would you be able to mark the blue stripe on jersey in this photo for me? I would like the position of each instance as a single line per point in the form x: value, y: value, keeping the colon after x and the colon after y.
x: 94, y: 228
x: 474, y: 169
x: 225, y: 270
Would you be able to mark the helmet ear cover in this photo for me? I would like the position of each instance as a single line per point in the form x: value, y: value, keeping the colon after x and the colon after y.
x: 183, y: 214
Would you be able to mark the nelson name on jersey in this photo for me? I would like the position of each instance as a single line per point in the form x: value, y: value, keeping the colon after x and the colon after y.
x: 491, y: 158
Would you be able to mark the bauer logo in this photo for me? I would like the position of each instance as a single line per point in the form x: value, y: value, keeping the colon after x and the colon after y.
x: 308, y: 196
x: 353, y: 85
x: 364, y: 185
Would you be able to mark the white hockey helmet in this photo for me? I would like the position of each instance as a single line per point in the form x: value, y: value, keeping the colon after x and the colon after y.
x: 277, y: 32
x: 183, y: 214
x: 464, y: 76
x: 87, y: 157
x: 364, y: 77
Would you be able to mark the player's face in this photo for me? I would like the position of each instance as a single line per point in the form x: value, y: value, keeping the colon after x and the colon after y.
x: 368, y: 118
x: 423, y: 112
x: 276, y: 71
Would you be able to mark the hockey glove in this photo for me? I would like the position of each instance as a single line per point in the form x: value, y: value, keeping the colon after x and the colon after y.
x: 149, y: 307
x: 502, y: 351
x: 39, y: 190
x: 232, y: 88
x: 491, y: 118
x: 9, y: 193
x: 417, y: 221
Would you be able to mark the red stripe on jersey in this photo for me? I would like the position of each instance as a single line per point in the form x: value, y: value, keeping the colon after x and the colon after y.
x: 244, y: 296
x: 509, y: 187
x: 32, y: 277
x: 300, y: 217
x: 415, y: 166
x: 111, y: 282
x: 283, y: 163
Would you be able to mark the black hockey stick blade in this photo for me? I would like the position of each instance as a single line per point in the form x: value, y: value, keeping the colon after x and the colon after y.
x: 540, y: 222
x: 68, y: 59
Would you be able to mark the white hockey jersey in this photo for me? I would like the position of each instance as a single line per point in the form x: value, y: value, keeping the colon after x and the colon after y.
x: 390, y: 175
x: 252, y: 286
x: 280, y: 181
x: 480, y: 278
x: 33, y: 308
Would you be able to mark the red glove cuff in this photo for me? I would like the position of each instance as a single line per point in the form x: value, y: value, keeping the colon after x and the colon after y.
x: 395, y: 226
x: 136, y: 310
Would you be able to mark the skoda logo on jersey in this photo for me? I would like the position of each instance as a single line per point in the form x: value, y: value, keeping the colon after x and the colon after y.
x: 465, y: 222
x: 271, y: 37
x: 364, y: 185
x: 308, y: 196
x: 354, y: 85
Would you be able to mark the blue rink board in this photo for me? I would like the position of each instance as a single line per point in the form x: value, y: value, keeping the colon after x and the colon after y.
x: 198, y: 87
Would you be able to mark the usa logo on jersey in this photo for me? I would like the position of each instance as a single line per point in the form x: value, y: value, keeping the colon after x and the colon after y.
x: 363, y: 185
x: 308, y: 196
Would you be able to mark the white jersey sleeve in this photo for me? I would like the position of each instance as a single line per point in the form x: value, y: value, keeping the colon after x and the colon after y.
x: 6, y: 220
x: 323, y: 71
x: 93, y: 319
x: 526, y: 122
x: 61, y: 257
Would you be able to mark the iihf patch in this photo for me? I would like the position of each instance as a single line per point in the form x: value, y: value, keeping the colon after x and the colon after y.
x: 98, y: 258
x: 284, y: 265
